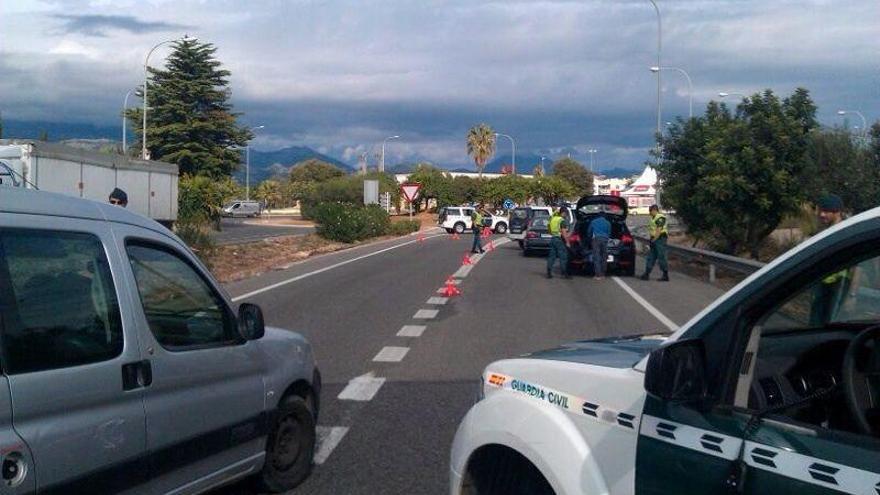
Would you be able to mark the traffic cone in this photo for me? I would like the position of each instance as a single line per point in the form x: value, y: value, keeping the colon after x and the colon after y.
x: 451, y: 290
x: 455, y: 236
x: 486, y: 233
x: 421, y: 237
x: 466, y: 259
x: 490, y: 246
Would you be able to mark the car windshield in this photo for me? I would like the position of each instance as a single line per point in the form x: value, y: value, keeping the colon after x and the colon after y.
x: 540, y: 213
x: 540, y: 223
x: 593, y: 208
x: 519, y: 213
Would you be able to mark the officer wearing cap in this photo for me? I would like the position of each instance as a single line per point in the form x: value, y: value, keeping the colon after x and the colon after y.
x: 119, y: 198
x: 659, y: 233
x: 828, y: 294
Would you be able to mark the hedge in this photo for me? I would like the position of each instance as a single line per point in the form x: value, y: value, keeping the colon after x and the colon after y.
x: 345, y: 222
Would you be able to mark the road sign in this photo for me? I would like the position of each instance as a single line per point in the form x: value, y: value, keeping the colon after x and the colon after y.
x: 410, y: 190
x: 508, y: 204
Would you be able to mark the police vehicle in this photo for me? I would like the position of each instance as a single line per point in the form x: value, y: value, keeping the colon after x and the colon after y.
x: 458, y: 219
x: 772, y: 389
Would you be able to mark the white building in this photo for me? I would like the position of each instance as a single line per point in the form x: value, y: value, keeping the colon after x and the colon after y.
x: 642, y: 193
x: 609, y: 185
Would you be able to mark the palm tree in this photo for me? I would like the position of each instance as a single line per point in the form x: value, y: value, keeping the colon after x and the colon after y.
x: 481, y: 145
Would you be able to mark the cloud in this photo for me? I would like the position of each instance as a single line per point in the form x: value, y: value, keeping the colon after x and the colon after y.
x: 99, y: 24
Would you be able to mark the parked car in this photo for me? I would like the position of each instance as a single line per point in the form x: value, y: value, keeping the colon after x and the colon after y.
x: 520, y: 218
x: 126, y: 368
x: 243, y: 208
x: 771, y: 389
x: 537, y: 236
x: 458, y: 219
x: 621, y: 247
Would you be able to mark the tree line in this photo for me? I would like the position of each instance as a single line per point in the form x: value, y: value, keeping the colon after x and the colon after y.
x: 733, y: 174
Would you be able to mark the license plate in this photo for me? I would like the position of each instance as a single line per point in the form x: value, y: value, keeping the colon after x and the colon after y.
x: 610, y: 258
x: 545, y: 236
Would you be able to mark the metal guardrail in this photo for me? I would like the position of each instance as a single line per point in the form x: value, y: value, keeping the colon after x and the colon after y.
x: 711, y: 258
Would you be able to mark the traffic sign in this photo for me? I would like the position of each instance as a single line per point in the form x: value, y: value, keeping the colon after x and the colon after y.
x: 508, y: 204
x: 410, y: 190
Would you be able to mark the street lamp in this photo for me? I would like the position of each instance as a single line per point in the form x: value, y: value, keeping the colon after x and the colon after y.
x: 247, y: 166
x: 542, y: 164
x: 657, y: 69
x: 124, y: 108
x: 725, y: 95
x: 591, y: 151
x: 146, y: 73
x: 659, y: 51
x: 382, y: 161
x: 864, y: 121
x: 513, y: 145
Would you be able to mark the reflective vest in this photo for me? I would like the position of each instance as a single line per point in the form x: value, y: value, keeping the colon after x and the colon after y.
x: 477, y: 219
x: 556, y: 225
x: 657, y: 226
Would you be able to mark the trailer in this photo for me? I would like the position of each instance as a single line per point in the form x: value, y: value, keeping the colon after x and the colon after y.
x: 151, y: 185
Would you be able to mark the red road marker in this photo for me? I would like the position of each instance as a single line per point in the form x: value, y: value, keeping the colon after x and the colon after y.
x: 490, y: 246
x: 451, y: 290
x: 466, y: 259
x: 486, y: 233
x: 455, y: 236
x: 421, y: 237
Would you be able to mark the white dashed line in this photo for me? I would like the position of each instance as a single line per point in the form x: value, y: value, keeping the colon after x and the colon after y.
x: 463, y: 271
x: 437, y: 300
x: 391, y: 354
x: 328, y: 438
x: 426, y: 314
x: 362, y: 388
x: 645, y: 304
x: 411, y: 331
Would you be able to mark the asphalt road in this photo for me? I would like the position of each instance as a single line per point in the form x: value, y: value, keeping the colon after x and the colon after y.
x: 239, y: 230
x: 398, y: 441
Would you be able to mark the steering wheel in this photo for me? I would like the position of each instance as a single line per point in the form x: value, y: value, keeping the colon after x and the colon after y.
x: 861, y: 378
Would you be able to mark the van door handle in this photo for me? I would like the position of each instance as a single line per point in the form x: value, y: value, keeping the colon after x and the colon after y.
x: 137, y: 375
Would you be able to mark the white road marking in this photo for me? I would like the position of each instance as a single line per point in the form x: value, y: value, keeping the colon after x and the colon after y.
x: 425, y: 314
x: 362, y: 388
x: 391, y: 354
x: 645, y: 304
x: 328, y: 438
x: 463, y: 271
x: 437, y: 300
x: 325, y: 269
x: 411, y: 331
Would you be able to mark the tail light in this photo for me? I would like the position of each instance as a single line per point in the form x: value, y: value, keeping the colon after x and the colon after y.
x: 574, y: 238
x: 532, y: 234
x: 626, y: 239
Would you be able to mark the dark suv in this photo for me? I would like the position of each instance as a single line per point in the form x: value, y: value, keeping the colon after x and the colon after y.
x: 621, y: 248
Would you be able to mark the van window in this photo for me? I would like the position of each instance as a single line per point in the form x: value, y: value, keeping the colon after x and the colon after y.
x: 182, y: 310
x: 453, y: 212
x: 58, y: 301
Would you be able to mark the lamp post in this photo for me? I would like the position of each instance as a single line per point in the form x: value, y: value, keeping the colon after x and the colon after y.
x: 382, y: 161
x: 864, y: 120
x: 659, y: 52
x: 124, y: 108
x: 247, y: 166
x: 725, y: 95
x: 591, y: 151
x: 542, y: 165
x: 657, y: 69
x: 513, y: 145
x: 146, y: 74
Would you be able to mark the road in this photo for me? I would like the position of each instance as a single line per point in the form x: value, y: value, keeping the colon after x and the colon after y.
x: 239, y: 230
x: 397, y: 441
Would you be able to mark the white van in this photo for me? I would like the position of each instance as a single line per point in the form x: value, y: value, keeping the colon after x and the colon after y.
x: 243, y: 208
x: 458, y: 219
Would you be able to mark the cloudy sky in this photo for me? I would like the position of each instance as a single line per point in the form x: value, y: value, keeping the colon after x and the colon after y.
x: 339, y: 75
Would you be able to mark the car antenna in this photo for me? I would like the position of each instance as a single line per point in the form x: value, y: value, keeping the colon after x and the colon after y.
x: 14, y: 172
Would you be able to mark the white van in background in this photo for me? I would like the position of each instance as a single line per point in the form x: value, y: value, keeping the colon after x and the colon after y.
x: 242, y: 208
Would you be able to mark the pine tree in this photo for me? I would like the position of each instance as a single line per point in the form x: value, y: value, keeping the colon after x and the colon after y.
x: 190, y: 120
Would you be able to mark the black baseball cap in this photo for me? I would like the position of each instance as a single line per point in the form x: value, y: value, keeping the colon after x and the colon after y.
x: 119, y: 195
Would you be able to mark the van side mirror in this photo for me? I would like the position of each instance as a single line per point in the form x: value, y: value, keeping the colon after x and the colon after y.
x: 677, y: 371
x: 250, y: 321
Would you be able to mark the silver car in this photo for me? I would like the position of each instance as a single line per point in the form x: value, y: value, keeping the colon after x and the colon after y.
x: 125, y: 368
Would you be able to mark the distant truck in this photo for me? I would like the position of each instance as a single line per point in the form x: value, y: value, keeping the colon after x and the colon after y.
x: 242, y: 208
x: 151, y: 185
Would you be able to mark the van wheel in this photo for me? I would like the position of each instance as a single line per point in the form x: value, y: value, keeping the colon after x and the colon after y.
x: 501, y: 228
x: 458, y: 228
x: 290, y: 446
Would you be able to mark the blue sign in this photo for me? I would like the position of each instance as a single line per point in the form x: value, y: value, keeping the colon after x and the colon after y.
x: 508, y: 204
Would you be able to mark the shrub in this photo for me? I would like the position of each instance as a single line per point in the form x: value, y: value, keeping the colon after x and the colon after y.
x: 197, y: 235
x: 345, y: 222
x: 404, y: 227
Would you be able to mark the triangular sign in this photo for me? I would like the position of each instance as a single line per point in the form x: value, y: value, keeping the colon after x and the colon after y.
x: 410, y: 190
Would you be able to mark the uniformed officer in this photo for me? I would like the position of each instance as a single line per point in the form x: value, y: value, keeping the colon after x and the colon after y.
x: 477, y: 227
x: 658, y: 232
x: 118, y: 198
x: 830, y: 292
x: 559, y: 238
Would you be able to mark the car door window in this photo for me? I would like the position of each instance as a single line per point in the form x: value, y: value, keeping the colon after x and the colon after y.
x: 182, y: 310
x: 59, y: 306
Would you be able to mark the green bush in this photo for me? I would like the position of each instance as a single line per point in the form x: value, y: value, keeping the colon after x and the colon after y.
x: 404, y: 227
x: 345, y: 222
x: 200, y: 199
x: 197, y: 235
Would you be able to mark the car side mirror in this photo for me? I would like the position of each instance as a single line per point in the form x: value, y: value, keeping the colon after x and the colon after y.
x: 250, y: 321
x: 677, y: 371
